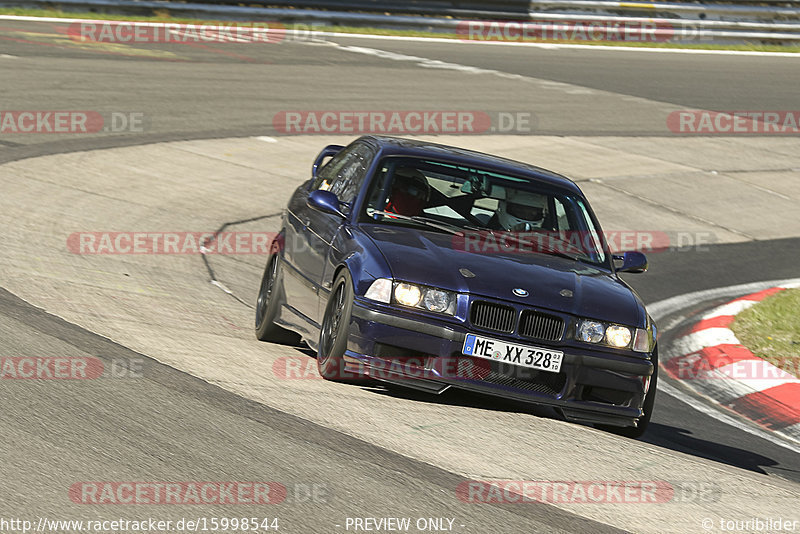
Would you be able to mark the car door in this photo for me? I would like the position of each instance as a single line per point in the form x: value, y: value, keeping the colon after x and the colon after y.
x: 311, y: 232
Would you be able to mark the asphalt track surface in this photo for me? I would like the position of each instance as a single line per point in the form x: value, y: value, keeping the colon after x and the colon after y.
x: 179, y: 423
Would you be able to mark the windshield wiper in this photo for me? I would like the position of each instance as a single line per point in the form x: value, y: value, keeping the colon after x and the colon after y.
x: 445, y: 227
x: 458, y: 229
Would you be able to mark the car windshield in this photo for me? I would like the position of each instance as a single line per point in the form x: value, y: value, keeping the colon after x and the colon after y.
x: 491, y: 212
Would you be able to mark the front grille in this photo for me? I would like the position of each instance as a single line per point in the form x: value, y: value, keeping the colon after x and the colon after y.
x: 537, y: 325
x: 493, y: 316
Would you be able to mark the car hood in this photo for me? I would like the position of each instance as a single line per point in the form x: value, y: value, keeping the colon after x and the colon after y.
x: 433, y: 258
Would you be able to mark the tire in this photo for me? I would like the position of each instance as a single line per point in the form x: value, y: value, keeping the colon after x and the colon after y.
x: 267, y: 307
x: 335, y: 330
x: 638, y: 431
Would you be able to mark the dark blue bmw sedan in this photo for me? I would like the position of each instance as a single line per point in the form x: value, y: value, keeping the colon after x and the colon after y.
x: 435, y: 267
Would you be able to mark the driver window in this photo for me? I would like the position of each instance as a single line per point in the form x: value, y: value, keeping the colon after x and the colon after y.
x: 351, y: 174
x: 344, y: 174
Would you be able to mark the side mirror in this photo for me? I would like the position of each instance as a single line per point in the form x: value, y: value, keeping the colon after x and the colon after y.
x: 632, y: 262
x: 328, y: 151
x: 326, y: 202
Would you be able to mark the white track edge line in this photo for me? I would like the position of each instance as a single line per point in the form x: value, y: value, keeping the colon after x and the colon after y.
x: 727, y: 419
x: 663, y: 308
x: 550, y: 46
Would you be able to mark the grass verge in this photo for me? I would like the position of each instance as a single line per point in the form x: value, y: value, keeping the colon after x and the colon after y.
x: 163, y: 15
x: 771, y: 329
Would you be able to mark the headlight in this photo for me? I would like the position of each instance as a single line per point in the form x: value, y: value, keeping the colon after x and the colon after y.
x: 591, y: 331
x: 407, y: 294
x: 618, y: 336
x: 380, y: 290
x: 614, y: 335
x: 425, y: 298
x: 413, y: 296
x: 436, y: 300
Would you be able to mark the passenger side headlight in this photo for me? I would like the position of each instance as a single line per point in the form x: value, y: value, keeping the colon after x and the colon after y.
x: 412, y: 295
x: 425, y: 298
x: 437, y: 300
x: 407, y: 294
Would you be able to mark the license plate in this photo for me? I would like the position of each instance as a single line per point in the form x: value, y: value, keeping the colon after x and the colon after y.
x: 513, y: 353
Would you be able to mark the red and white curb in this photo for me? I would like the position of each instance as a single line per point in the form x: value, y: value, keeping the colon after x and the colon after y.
x: 711, y: 360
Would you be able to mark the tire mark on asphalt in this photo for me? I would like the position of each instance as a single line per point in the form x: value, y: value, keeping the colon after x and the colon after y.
x: 210, y: 270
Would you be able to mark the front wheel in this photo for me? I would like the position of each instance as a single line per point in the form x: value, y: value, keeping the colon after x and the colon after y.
x: 335, y: 330
x: 647, y: 407
x: 267, y: 308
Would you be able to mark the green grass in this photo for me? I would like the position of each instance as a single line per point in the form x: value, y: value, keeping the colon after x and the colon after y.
x: 771, y: 329
x: 163, y: 15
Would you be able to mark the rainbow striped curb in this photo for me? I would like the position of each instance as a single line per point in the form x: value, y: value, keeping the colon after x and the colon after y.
x: 710, y: 359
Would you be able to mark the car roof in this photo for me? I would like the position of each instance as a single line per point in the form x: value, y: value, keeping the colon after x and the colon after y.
x: 398, y: 146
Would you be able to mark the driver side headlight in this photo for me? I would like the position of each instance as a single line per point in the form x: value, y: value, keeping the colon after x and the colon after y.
x: 591, y: 331
x: 615, y: 335
x: 618, y: 336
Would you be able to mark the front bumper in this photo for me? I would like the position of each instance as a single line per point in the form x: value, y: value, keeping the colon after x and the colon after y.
x: 426, y: 354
